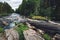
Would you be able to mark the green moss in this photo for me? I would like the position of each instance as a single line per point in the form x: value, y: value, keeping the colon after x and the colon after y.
x: 1, y: 30
x: 39, y: 18
x: 46, y: 37
x: 20, y: 30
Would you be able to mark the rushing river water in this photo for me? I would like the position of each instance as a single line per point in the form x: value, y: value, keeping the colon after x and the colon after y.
x: 14, y: 18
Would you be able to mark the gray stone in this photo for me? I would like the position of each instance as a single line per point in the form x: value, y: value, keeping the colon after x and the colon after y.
x: 32, y: 35
x: 12, y: 34
x: 57, y: 37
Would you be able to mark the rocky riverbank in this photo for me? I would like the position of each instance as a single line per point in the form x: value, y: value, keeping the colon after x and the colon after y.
x: 29, y: 29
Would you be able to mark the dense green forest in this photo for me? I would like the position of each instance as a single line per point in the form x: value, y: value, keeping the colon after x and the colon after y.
x: 46, y: 8
x: 29, y: 8
x: 5, y: 9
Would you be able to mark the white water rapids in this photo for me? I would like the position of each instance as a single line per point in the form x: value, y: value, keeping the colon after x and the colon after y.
x: 12, y: 19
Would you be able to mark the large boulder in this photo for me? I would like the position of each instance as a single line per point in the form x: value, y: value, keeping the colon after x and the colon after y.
x: 32, y: 35
x: 11, y: 34
x: 56, y: 37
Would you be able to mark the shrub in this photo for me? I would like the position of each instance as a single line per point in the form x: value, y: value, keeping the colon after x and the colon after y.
x: 46, y: 37
x: 39, y: 18
x: 1, y: 30
x: 20, y: 30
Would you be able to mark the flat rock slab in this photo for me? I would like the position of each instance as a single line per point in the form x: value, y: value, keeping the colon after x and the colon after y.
x: 11, y: 34
x: 32, y: 35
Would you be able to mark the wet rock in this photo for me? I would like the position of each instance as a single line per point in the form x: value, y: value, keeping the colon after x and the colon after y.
x: 32, y: 27
x: 40, y: 31
x: 56, y: 37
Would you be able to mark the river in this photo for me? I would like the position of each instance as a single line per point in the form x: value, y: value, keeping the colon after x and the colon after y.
x: 12, y: 19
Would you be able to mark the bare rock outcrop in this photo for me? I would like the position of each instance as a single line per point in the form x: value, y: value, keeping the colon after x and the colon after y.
x: 32, y: 35
x: 56, y: 37
x: 11, y: 34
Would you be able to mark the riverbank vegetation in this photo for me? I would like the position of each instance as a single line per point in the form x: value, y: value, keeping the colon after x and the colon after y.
x: 46, y: 8
x: 39, y: 18
x: 22, y: 27
x: 31, y: 8
x: 1, y: 30
x: 46, y: 37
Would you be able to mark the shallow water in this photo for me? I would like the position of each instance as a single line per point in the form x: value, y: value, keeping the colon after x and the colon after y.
x: 14, y: 18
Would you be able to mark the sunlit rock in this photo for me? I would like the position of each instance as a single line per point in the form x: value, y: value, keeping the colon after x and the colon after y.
x: 32, y: 35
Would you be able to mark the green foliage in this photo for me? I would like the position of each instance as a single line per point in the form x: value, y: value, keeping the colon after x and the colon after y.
x: 23, y: 27
x: 48, y: 12
x: 31, y: 15
x: 37, y: 8
x: 1, y: 30
x: 5, y: 8
x: 20, y: 30
x: 46, y: 37
x: 27, y: 7
x: 56, y: 13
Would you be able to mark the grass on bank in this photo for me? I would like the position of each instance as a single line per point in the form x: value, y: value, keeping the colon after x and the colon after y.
x: 20, y: 30
x: 39, y: 18
x: 1, y: 30
x: 46, y: 37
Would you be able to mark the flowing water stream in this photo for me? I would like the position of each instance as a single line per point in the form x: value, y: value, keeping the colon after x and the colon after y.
x: 12, y: 19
